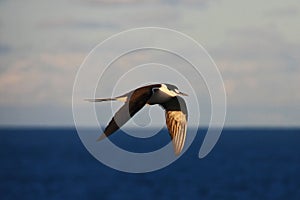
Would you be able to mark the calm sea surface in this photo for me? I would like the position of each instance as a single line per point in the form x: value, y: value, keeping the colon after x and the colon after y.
x: 52, y: 163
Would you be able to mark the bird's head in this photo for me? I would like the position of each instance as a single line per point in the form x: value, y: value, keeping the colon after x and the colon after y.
x: 171, y: 90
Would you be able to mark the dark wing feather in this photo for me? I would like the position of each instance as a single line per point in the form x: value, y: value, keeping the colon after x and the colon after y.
x: 136, y: 102
x: 176, y: 120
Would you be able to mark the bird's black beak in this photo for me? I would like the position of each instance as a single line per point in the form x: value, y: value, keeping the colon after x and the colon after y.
x: 183, y: 94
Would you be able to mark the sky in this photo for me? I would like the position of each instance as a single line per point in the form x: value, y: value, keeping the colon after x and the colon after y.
x: 255, y: 44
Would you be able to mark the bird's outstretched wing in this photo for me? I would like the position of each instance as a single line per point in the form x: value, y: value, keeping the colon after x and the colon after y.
x: 137, y: 100
x: 176, y: 123
x: 176, y: 120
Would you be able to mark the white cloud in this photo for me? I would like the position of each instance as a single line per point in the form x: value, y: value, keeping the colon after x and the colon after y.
x: 261, y: 74
x: 44, y: 79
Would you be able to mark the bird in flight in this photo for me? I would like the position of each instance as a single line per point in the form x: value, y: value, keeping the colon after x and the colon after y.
x: 165, y: 95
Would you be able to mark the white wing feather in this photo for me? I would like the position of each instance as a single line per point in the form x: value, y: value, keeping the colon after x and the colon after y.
x: 177, y: 126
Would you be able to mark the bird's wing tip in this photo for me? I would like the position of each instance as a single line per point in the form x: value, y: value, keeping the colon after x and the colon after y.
x: 177, y: 150
x: 103, y: 136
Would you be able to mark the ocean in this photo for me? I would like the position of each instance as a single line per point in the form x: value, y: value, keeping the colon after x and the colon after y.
x: 246, y: 163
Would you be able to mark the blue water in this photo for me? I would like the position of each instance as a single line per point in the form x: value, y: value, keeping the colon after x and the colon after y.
x: 245, y: 164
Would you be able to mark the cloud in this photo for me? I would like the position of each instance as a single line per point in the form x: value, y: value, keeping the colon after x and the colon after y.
x: 259, y: 45
x: 76, y: 24
x: 45, y: 79
x: 261, y: 74
x: 109, y: 2
x: 4, y: 49
x: 285, y: 11
x: 122, y: 2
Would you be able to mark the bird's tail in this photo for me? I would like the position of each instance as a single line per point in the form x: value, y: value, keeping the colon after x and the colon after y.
x: 120, y: 98
x: 101, y: 99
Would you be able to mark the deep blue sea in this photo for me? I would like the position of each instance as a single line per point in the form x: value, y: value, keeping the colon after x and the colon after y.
x: 246, y: 163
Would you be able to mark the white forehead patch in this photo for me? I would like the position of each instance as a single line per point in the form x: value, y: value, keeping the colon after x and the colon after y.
x: 165, y: 89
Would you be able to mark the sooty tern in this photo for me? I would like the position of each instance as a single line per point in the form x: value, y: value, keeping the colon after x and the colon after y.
x: 166, y: 95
